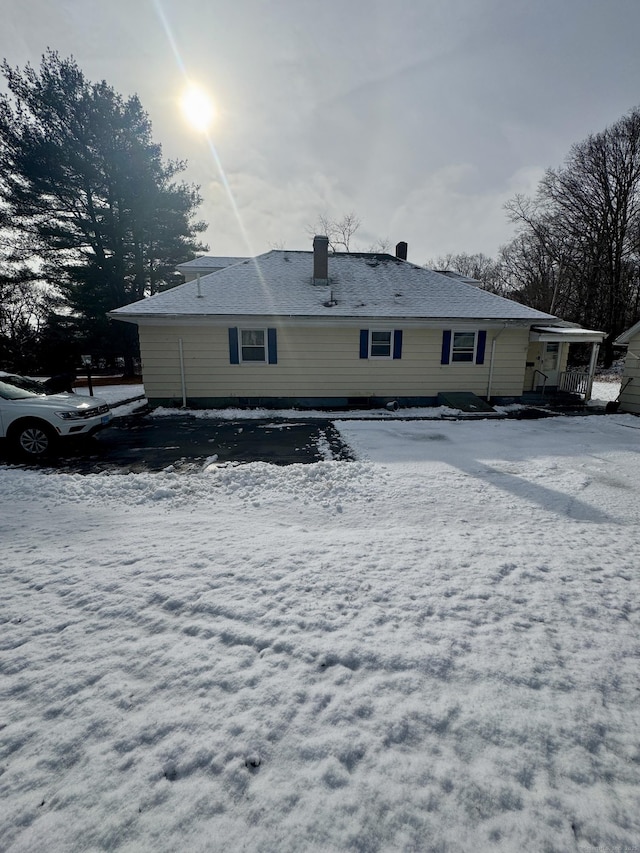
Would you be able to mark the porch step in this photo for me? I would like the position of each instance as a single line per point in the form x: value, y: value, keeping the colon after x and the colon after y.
x: 465, y: 401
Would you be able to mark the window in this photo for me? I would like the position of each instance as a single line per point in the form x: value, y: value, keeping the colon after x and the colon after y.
x: 380, y: 345
x: 463, y: 346
x: 552, y: 351
x: 252, y: 345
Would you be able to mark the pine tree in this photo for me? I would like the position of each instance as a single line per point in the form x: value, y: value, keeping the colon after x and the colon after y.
x: 86, y: 190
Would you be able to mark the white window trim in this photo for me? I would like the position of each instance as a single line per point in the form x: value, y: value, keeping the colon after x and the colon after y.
x: 391, y: 336
x: 455, y: 332
x: 265, y: 360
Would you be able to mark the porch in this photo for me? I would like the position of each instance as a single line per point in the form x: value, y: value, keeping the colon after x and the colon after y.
x: 548, y: 375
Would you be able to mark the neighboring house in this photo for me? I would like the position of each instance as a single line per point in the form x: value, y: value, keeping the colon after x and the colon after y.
x: 313, y: 329
x: 205, y: 265
x: 630, y: 388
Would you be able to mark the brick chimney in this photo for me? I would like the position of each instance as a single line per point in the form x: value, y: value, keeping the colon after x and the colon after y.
x: 401, y: 250
x: 320, y: 259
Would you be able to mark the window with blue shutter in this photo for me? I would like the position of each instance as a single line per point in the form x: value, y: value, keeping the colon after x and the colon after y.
x: 463, y: 347
x: 253, y: 346
x: 380, y: 344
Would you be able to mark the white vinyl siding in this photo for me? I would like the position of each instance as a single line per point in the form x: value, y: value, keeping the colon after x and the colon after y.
x: 323, y: 362
x: 630, y: 396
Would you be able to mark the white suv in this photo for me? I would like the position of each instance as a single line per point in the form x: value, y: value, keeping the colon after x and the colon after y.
x: 32, y: 420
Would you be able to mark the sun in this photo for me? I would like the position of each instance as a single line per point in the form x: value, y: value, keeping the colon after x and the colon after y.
x: 197, y: 107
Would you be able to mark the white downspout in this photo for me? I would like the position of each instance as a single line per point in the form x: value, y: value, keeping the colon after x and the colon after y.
x: 491, y: 360
x: 182, y: 380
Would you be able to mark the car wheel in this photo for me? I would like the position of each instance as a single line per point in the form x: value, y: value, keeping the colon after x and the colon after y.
x: 33, y: 439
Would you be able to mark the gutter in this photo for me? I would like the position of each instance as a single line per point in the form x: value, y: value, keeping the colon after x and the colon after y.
x: 324, y: 320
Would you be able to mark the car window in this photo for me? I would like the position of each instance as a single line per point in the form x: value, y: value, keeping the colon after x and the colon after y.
x: 11, y: 390
x: 24, y: 382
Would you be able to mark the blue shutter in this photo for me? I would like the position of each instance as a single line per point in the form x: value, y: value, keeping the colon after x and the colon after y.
x: 234, y: 355
x: 272, y: 346
x: 364, y: 343
x: 482, y: 343
x: 397, y: 343
x: 446, y: 346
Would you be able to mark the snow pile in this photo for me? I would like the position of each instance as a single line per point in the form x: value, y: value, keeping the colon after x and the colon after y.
x: 113, y: 393
x: 231, y: 414
x: 604, y: 391
x: 433, y: 648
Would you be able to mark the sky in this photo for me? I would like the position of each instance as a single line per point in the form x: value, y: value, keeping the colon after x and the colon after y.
x: 422, y: 118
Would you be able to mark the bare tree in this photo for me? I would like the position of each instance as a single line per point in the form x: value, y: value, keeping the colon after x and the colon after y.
x: 584, y: 229
x: 478, y: 266
x: 339, y: 231
x: 381, y: 246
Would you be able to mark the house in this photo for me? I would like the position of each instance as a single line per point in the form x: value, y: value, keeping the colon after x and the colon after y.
x: 630, y: 388
x: 318, y: 330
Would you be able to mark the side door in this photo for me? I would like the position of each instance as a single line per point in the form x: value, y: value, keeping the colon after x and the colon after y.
x: 551, y: 363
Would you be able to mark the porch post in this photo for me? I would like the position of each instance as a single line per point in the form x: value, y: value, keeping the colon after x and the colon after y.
x: 595, y: 348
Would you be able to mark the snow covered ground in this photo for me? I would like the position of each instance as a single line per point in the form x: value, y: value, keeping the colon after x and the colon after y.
x: 433, y: 648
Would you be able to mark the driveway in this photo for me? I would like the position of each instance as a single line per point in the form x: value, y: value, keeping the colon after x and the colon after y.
x: 145, y: 443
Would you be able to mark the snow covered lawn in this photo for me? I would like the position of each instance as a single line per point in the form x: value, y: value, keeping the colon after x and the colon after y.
x: 433, y: 648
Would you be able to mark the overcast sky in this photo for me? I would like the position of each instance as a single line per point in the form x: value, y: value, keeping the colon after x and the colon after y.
x: 421, y: 116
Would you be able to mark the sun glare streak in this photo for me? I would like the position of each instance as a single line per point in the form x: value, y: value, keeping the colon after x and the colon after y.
x: 232, y: 202
x: 214, y: 154
x: 169, y: 35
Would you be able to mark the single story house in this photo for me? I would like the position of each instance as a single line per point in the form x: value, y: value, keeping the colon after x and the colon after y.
x: 318, y: 330
x: 630, y: 388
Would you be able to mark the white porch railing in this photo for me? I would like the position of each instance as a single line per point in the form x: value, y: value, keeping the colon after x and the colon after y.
x: 574, y: 381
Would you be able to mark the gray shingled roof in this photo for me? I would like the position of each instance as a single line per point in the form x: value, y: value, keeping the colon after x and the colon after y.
x: 209, y: 261
x: 279, y: 283
x: 625, y: 338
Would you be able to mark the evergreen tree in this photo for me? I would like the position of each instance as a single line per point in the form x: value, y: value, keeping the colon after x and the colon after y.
x: 88, y: 196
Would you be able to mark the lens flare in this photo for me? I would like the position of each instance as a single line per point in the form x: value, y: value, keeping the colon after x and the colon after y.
x: 199, y: 110
x: 197, y: 107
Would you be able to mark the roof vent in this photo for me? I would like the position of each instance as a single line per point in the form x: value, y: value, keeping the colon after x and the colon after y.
x: 401, y: 250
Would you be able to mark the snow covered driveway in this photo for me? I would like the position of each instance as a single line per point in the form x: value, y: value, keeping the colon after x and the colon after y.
x: 433, y: 648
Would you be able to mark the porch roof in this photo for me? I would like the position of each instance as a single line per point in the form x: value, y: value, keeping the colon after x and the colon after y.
x: 567, y: 334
